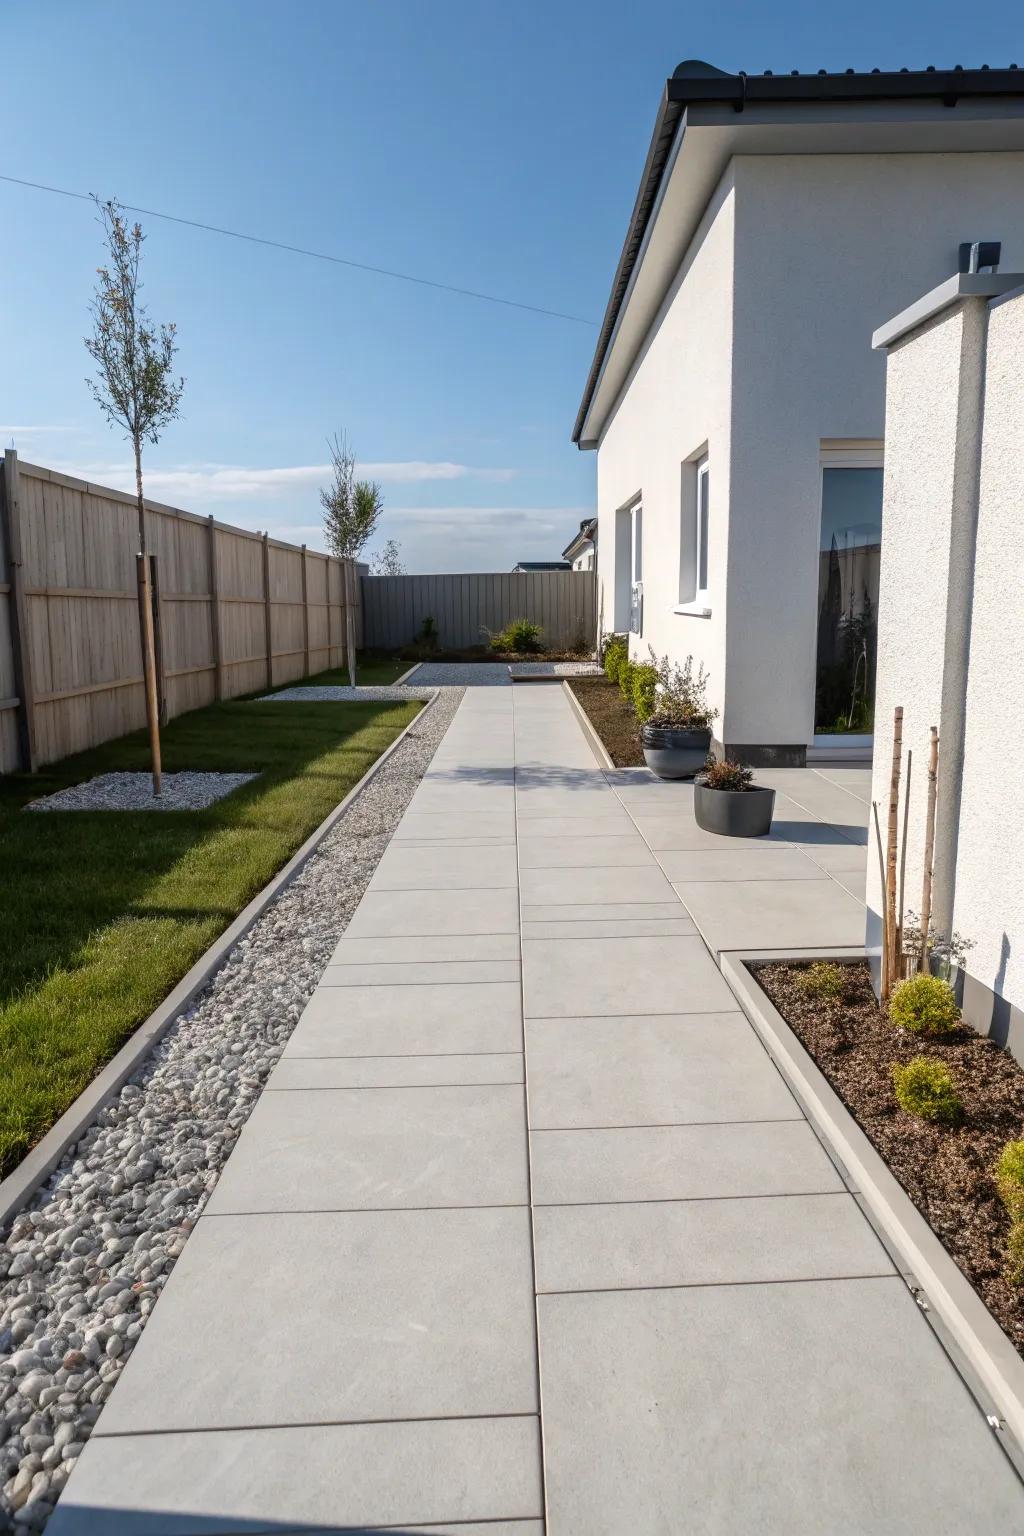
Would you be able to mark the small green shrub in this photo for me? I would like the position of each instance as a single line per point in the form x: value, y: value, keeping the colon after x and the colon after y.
x: 925, y: 1005
x: 733, y: 776
x: 925, y: 1087
x: 824, y: 980
x: 626, y: 679
x: 616, y: 653
x: 522, y: 635
x: 1010, y: 1178
x: 644, y: 690
x: 1014, y: 1271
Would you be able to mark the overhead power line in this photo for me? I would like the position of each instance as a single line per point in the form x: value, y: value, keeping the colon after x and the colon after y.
x: 299, y: 250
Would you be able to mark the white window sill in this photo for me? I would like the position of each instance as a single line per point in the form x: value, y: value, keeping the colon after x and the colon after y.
x: 693, y: 610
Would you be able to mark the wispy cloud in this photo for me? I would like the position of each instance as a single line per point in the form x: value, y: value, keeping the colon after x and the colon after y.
x: 194, y: 483
x: 35, y: 431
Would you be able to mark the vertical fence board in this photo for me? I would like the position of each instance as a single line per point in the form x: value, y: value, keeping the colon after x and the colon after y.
x: 562, y: 602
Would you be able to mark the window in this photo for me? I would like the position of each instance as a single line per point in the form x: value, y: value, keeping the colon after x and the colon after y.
x: 703, y: 508
x: 849, y: 552
x: 638, y: 543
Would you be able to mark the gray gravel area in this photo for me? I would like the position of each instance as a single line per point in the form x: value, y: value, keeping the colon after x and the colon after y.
x: 85, y: 1263
x: 134, y: 792
x: 555, y: 668
x: 343, y: 695
x: 493, y: 674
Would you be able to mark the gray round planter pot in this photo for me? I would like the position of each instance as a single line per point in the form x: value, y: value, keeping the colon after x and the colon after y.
x: 672, y: 753
x: 734, y: 812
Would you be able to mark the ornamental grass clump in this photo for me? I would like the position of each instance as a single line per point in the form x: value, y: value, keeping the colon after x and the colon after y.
x: 521, y: 636
x: 735, y: 777
x: 925, y: 1088
x: 825, y: 981
x: 925, y: 1005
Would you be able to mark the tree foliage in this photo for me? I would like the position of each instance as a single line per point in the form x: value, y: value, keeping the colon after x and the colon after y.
x: 352, y: 508
x: 387, y: 561
x: 134, y: 385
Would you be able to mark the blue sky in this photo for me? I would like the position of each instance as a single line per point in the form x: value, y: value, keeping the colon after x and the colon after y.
x: 491, y: 146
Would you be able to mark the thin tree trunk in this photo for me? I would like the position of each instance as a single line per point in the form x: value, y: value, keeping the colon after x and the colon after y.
x: 929, y: 846
x: 886, y: 978
x: 892, y: 844
x: 146, y: 634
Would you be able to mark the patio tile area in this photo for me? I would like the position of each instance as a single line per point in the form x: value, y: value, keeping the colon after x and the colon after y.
x: 524, y: 1163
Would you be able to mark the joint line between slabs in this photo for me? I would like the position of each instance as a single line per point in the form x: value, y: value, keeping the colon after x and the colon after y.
x: 665, y: 1125
x: 364, y: 1210
x: 727, y: 1285
x: 424, y: 1418
x: 786, y: 1194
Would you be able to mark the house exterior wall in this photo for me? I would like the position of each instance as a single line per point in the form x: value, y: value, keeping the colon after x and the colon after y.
x: 677, y: 400
x: 762, y: 349
x: 928, y: 417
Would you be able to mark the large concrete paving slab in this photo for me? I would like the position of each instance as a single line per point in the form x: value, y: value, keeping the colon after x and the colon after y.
x: 739, y: 864
x: 649, y: 975
x: 405, y: 868
x: 822, y: 1406
x: 454, y: 946
x: 408, y: 973
x: 651, y: 1070
x: 574, y: 887
x: 773, y: 914
x: 415, y: 914
x: 704, y: 1242
x: 438, y: 1017
x: 318, y: 1478
x: 582, y: 853
x: 327, y: 1149
x: 679, y: 1162
x: 294, y: 1072
x: 317, y: 1319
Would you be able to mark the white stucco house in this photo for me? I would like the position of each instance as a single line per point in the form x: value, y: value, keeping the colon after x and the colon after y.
x: 735, y: 403
x: 581, y: 550
x: 951, y: 624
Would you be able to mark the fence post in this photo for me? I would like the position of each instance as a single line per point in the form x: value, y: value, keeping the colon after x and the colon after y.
x: 215, y: 626
x: 267, y: 616
x: 21, y: 647
x: 305, y: 617
x: 327, y: 594
x: 158, y: 640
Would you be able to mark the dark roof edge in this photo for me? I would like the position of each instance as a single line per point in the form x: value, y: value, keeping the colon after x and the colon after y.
x: 695, y: 82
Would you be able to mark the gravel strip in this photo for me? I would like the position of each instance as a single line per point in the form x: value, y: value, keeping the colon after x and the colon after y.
x: 134, y: 792
x: 86, y: 1261
x: 555, y: 669
x: 343, y: 695
x: 461, y: 674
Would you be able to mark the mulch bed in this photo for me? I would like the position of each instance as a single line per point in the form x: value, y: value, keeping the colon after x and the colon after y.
x: 411, y: 653
x: 612, y: 718
x: 947, y: 1172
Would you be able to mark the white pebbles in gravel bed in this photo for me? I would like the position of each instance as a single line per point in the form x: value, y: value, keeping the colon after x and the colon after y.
x: 85, y: 1263
x: 334, y: 693
x: 134, y: 792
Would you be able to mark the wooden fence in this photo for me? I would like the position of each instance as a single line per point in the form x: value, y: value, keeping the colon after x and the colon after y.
x: 236, y: 612
x: 466, y: 607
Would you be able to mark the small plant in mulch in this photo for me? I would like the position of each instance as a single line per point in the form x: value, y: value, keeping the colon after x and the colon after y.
x: 522, y: 637
x: 1010, y: 1184
x: 925, y: 1005
x: 824, y: 980
x: 925, y: 1088
x: 734, y: 777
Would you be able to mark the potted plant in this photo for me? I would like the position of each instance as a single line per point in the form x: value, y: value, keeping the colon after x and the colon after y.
x: 727, y: 801
x: 676, y: 733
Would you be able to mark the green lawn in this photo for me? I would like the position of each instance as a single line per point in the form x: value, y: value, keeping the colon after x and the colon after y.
x: 102, y: 912
x: 376, y: 673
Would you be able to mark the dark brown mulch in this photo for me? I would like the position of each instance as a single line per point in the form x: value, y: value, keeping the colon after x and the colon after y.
x: 947, y: 1172
x: 473, y: 653
x: 612, y: 718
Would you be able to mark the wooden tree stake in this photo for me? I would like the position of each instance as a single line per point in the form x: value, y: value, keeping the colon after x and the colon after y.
x: 892, y: 844
x: 901, y: 957
x: 886, y: 979
x: 929, y: 846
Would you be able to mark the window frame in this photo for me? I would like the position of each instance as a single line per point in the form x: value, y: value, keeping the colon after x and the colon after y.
x: 703, y: 529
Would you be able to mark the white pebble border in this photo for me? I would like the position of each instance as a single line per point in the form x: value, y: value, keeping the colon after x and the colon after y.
x: 555, y: 669
x: 85, y: 1263
x: 134, y: 792
x: 338, y: 694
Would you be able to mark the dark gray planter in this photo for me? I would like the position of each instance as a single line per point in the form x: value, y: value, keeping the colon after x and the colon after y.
x: 734, y: 812
x: 672, y: 753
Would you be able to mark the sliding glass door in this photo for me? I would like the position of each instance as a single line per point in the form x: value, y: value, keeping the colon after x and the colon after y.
x: 848, y: 567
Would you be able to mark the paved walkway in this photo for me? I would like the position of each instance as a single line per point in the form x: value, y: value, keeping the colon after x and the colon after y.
x: 351, y: 1337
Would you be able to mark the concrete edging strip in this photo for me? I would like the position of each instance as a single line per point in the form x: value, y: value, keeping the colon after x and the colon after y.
x: 406, y: 675
x: 597, y: 746
x: 984, y: 1345
x: 39, y: 1163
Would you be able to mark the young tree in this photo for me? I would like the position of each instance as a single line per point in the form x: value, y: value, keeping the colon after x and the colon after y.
x: 136, y: 390
x: 352, y: 508
x: 387, y: 561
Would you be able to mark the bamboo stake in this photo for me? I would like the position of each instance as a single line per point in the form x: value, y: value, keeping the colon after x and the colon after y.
x: 902, y: 959
x: 929, y: 846
x: 892, y: 843
x: 886, y: 981
x: 149, y: 665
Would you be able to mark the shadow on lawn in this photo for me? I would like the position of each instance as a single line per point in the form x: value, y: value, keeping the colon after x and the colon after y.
x: 70, y: 874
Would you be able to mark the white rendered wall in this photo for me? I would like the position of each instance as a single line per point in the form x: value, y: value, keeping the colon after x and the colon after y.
x: 990, y: 865
x: 922, y: 396
x: 678, y: 399
x: 762, y: 349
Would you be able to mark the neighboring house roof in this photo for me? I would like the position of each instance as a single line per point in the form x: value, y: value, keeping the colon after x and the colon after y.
x: 699, y: 96
x: 541, y: 565
x: 587, y: 534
